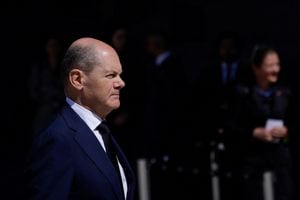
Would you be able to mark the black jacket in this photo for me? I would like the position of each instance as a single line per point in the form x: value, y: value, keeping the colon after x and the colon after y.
x: 253, y: 110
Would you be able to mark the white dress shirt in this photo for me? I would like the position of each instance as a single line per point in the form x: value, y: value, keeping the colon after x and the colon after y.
x: 93, y: 121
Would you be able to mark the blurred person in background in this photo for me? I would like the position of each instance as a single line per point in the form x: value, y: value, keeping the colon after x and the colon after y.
x: 217, y: 85
x: 45, y: 89
x: 261, y: 128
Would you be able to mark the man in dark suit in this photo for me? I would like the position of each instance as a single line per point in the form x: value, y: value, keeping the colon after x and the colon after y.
x: 218, y: 84
x: 76, y: 157
x: 165, y: 80
x: 165, y: 103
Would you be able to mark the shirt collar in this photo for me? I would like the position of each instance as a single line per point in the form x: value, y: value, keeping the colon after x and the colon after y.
x: 162, y: 57
x: 90, y: 118
x: 265, y: 93
x: 233, y: 65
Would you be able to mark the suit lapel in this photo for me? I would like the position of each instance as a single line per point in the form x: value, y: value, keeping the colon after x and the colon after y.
x: 89, y: 144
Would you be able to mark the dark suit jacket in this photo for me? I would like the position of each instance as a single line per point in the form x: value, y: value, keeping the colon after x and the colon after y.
x: 252, y: 111
x: 215, y: 99
x: 214, y: 81
x: 163, y: 104
x: 67, y: 162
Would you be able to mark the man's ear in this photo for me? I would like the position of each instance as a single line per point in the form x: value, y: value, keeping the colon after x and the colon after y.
x: 76, y: 77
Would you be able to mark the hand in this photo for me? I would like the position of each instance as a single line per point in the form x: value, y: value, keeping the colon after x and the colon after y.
x: 279, y: 132
x: 262, y: 134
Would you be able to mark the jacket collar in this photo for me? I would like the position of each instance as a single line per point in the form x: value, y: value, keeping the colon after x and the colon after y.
x: 88, y: 142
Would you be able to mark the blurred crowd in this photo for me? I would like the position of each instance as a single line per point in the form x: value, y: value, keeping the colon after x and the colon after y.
x: 241, y: 108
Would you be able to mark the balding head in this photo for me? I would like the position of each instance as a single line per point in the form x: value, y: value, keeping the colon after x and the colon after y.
x: 84, y: 54
x: 91, y: 42
x: 92, y: 72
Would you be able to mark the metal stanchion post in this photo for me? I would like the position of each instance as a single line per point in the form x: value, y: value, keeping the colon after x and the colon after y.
x: 268, y: 186
x: 215, y: 183
x: 143, y: 179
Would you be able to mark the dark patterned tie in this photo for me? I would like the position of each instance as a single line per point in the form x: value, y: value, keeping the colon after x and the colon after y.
x: 110, y: 149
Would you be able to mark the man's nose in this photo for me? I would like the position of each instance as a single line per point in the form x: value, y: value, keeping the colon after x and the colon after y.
x: 119, y: 83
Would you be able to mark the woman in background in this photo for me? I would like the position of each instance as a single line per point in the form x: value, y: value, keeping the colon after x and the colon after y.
x: 261, y: 128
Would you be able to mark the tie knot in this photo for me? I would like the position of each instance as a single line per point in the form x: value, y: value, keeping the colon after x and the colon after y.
x: 103, y: 128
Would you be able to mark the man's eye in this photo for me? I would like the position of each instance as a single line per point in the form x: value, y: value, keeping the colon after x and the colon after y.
x: 110, y: 76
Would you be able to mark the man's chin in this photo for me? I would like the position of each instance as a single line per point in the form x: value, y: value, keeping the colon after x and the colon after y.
x: 115, y: 104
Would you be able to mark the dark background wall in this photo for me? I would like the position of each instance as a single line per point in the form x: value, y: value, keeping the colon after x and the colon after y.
x: 194, y: 25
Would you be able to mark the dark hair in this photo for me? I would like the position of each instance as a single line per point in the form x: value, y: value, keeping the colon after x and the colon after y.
x: 78, y: 57
x: 229, y: 35
x: 162, y: 39
x: 259, y: 53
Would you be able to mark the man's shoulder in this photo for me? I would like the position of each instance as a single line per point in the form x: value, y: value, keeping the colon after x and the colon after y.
x: 57, y: 129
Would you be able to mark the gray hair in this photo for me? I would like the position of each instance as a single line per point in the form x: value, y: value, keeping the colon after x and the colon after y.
x: 78, y: 57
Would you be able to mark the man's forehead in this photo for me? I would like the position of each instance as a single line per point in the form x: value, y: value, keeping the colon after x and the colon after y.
x: 111, y: 67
